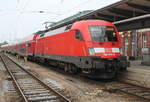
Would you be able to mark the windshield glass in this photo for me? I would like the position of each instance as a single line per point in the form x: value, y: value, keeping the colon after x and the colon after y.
x: 103, y: 33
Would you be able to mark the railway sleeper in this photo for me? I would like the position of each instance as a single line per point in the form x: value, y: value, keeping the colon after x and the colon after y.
x: 29, y: 84
x: 51, y: 101
x: 36, y: 92
x: 40, y: 95
x: 35, y: 99
x: 29, y: 90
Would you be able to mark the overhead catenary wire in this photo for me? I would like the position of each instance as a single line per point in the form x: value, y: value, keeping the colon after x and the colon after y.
x: 87, y: 1
x: 61, y: 1
x: 25, y: 6
x: 19, y: 15
x: 18, y: 1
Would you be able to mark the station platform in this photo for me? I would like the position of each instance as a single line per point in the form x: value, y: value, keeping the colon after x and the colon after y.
x: 137, y: 74
x: 138, y: 65
x: 146, y: 60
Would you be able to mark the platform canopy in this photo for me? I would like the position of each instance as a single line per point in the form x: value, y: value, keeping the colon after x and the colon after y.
x: 125, y: 14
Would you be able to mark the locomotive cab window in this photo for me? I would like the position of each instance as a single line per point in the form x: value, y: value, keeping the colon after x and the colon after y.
x: 78, y: 35
x: 103, y: 33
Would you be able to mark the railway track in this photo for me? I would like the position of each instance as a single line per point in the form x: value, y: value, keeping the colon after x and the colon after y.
x: 31, y: 88
x: 137, y: 92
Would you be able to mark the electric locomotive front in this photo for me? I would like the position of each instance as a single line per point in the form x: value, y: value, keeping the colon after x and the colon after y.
x: 104, y: 49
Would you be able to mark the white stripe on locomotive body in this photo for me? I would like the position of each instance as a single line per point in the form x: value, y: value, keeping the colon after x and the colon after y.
x: 103, y: 50
x: 115, y: 50
x: 99, y: 50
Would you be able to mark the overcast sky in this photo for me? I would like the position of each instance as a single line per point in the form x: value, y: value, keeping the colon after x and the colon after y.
x: 20, y: 18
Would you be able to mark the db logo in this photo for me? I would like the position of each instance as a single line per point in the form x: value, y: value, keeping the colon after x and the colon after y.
x: 108, y: 50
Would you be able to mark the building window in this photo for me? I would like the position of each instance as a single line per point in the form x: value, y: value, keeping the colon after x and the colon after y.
x: 126, y: 45
x: 145, y: 41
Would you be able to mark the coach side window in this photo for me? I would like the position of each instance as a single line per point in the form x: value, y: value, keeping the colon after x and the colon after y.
x: 28, y: 44
x: 78, y: 35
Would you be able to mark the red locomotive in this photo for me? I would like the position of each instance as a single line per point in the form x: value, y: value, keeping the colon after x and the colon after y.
x: 91, y: 47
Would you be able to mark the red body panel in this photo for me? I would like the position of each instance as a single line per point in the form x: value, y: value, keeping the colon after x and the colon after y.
x: 65, y: 44
x: 56, y: 44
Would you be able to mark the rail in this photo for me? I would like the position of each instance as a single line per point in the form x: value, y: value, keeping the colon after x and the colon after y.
x: 22, y: 86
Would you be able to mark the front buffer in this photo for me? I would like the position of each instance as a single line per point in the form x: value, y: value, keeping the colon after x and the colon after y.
x: 106, y: 68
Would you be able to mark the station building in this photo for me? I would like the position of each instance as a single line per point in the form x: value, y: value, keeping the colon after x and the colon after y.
x: 136, y: 43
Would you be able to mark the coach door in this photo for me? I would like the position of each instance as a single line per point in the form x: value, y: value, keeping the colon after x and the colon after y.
x: 28, y: 48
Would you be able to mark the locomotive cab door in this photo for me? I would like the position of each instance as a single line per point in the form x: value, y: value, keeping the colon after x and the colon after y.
x: 79, y: 44
x: 42, y: 44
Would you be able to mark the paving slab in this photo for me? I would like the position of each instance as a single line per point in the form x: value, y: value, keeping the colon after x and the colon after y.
x: 137, y: 74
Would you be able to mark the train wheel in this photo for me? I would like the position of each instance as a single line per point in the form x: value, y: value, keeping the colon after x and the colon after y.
x: 66, y: 68
x: 74, y: 69
x: 124, y: 69
x: 71, y: 68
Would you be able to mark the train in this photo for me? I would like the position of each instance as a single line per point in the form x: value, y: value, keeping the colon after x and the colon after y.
x: 90, y: 47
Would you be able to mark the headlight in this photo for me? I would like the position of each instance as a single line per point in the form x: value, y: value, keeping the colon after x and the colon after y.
x: 91, y: 51
x: 115, y: 50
